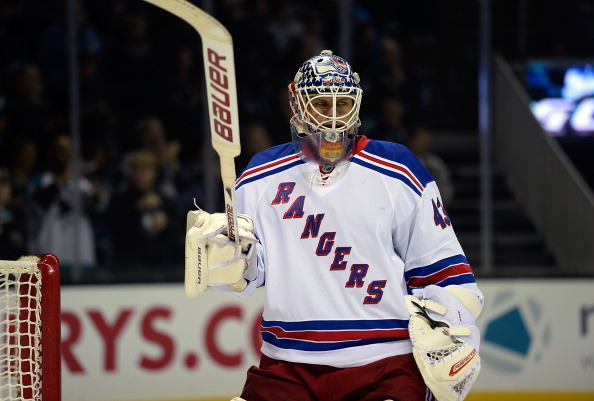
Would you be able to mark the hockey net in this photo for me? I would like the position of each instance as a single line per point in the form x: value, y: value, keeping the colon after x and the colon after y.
x: 30, y: 366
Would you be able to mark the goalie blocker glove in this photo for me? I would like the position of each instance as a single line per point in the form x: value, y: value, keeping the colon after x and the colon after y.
x: 445, y: 339
x: 211, y: 258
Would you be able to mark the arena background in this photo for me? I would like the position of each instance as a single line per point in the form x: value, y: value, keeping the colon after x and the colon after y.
x: 82, y: 81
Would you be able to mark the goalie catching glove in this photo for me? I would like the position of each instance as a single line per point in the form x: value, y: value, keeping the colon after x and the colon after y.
x: 211, y: 257
x: 445, y: 339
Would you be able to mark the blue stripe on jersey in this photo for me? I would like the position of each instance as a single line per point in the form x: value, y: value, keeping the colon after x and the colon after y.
x: 387, y: 172
x: 448, y: 271
x: 267, y: 172
x: 400, y: 154
x: 302, y: 345
x: 268, y: 156
x: 435, y: 267
x: 325, y: 335
x: 396, y: 161
x: 271, y: 154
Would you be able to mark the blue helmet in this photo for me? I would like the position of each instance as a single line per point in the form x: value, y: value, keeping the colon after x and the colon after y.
x: 325, y: 98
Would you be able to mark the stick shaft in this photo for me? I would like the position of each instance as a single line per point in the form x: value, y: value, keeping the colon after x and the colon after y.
x: 221, y: 90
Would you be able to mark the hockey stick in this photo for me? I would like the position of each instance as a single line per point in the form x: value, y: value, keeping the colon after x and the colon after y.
x: 221, y: 91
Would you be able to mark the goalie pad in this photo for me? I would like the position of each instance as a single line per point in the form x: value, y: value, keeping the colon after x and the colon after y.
x: 211, y: 258
x: 446, y: 340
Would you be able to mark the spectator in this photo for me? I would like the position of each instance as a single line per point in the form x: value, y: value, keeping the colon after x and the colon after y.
x: 420, y: 142
x: 29, y: 114
x: 143, y: 224
x: 22, y: 165
x: 133, y: 67
x: 183, y: 102
x: 100, y: 158
x: 279, y: 116
x: 254, y: 139
x: 396, y: 78
x: 54, y: 225
x: 151, y: 135
x: 392, y: 121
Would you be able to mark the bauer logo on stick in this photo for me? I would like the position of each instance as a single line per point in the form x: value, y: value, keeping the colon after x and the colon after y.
x: 220, y: 100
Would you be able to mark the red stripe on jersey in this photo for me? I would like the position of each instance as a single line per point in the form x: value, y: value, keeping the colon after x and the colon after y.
x: 348, y: 335
x: 450, y: 271
x: 267, y: 166
x: 394, y: 166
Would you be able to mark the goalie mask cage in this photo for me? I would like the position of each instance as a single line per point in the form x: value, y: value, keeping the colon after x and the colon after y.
x: 30, y: 366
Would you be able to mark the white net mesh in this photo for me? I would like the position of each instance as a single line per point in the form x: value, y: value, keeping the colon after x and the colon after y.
x: 20, y: 330
x: 438, y: 355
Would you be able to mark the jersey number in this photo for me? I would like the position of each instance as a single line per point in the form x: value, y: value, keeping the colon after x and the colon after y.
x: 440, y: 217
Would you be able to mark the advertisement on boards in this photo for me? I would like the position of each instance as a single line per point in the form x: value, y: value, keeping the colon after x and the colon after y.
x: 150, y: 342
x: 537, y: 335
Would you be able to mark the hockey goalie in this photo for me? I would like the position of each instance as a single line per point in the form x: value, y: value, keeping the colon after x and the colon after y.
x: 368, y: 293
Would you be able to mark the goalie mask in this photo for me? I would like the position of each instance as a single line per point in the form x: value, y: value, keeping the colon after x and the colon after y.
x: 325, y: 98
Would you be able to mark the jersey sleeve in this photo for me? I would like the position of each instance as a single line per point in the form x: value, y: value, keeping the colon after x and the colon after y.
x: 430, y: 249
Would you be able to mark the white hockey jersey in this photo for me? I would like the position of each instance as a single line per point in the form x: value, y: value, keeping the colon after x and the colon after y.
x: 338, y: 252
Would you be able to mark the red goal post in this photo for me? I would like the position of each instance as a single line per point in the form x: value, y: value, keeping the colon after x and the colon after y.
x: 30, y: 365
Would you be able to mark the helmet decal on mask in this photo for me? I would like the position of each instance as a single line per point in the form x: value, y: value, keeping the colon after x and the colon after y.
x: 325, y: 98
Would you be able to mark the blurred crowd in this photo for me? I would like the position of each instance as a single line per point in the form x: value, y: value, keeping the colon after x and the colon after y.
x: 142, y: 116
